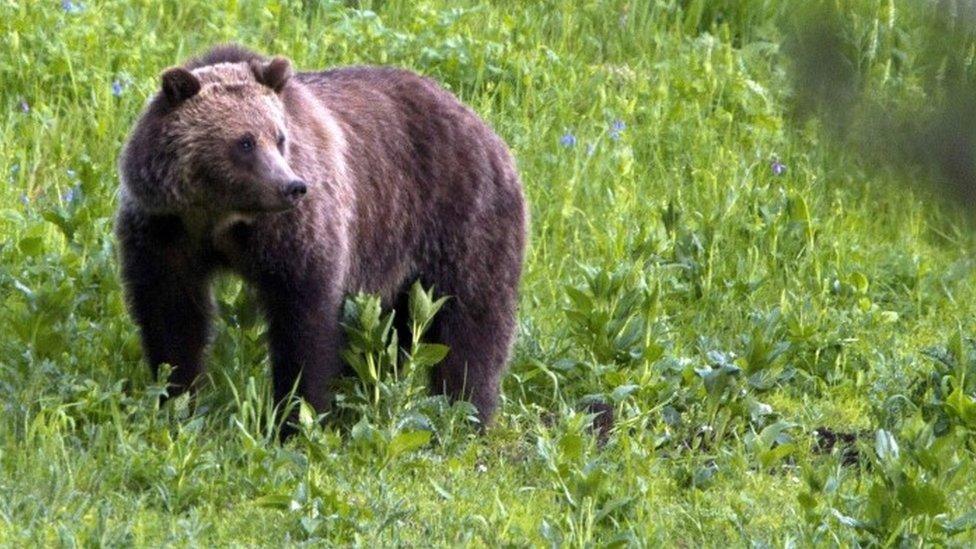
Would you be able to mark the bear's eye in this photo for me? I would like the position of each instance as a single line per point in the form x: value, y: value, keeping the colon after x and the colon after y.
x: 281, y: 141
x: 246, y: 143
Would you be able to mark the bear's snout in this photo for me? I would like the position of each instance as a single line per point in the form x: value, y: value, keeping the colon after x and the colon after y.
x: 296, y: 189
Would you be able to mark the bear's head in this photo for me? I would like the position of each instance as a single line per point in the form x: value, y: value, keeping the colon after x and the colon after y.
x: 214, y: 141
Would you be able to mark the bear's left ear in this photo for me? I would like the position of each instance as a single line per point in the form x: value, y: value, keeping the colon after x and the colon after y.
x: 273, y: 74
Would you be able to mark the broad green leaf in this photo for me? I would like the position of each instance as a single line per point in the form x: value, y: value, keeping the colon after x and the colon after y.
x: 429, y: 354
x: 886, y: 446
x: 622, y: 392
x: 407, y: 441
x: 922, y: 499
x: 306, y: 416
x: 274, y: 501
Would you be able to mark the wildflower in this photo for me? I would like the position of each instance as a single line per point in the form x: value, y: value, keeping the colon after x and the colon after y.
x: 616, y: 128
x: 71, y: 173
x: 24, y: 106
x: 777, y: 167
x: 74, y: 194
x: 622, y: 20
x: 24, y: 200
x: 117, y: 88
x: 568, y: 140
x: 70, y: 7
x: 590, y: 149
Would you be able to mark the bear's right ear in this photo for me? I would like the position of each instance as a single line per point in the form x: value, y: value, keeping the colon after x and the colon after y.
x: 179, y: 85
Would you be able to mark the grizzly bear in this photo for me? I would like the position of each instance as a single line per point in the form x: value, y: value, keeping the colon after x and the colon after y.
x: 311, y: 186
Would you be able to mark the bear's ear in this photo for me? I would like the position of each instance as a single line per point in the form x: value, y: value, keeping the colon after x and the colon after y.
x: 179, y: 85
x: 273, y: 74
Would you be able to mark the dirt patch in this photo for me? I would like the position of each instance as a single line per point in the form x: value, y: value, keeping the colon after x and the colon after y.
x: 828, y: 440
x: 602, y: 422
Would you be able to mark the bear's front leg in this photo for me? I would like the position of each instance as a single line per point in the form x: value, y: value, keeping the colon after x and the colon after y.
x: 168, y: 294
x: 304, y: 334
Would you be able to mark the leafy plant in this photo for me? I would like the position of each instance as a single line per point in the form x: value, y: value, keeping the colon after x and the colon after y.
x: 949, y: 391
x: 389, y: 381
x: 608, y: 316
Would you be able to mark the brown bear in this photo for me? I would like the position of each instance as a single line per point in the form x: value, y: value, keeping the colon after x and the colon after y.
x: 312, y: 185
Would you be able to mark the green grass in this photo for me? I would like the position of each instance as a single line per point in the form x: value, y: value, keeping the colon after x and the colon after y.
x: 724, y: 311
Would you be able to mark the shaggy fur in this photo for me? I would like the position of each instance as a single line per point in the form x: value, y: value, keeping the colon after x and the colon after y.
x: 401, y: 182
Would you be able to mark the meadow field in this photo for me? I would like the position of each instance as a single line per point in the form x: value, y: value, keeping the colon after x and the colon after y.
x: 781, y: 324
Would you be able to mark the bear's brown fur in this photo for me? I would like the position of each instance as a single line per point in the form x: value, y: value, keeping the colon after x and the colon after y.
x: 312, y: 185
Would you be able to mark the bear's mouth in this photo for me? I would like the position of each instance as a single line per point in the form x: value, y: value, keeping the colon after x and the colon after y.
x: 268, y: 209
x: 285, y: 197
x: 232, y: 219
x: 277, y: 203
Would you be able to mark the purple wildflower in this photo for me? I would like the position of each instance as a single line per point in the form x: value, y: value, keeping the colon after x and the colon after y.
x: 70, y: 7
x: 117, y: 88
x: 616, y: 128
x: 568, y: 140
x: 778, y: 167
x: 24, y: 200
x: 24, y: 106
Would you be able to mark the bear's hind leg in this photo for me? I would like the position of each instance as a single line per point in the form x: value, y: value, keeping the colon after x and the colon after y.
x: 479, y: 338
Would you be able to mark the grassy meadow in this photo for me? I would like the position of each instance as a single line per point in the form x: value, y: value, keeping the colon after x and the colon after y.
x: 783, y: 328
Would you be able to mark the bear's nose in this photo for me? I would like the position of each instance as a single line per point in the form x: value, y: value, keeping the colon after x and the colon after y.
x: 295, y: 189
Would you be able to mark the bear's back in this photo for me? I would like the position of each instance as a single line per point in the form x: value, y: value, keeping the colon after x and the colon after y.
x: 386, y: 96
x: 415, y: 127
